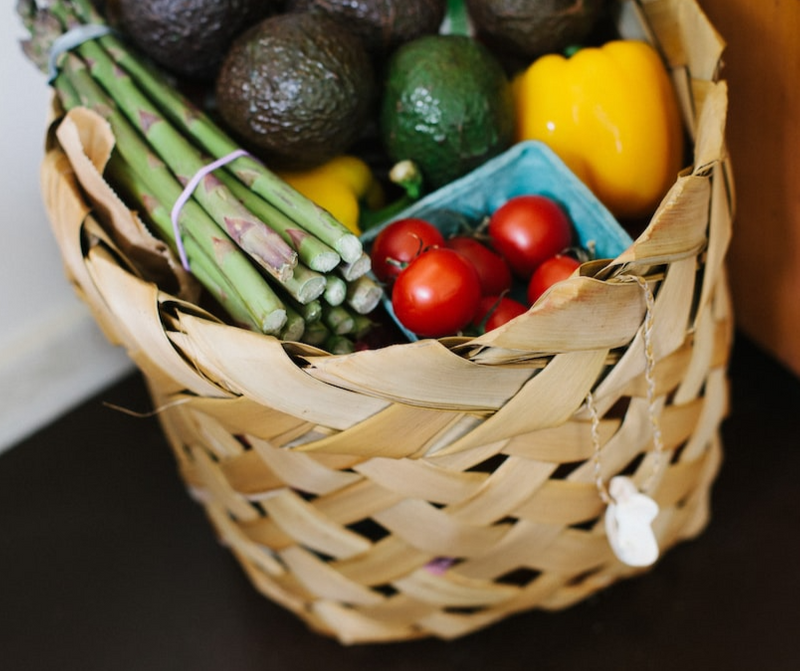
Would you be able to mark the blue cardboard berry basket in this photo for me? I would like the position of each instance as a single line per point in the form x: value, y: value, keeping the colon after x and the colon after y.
x: 526, y: 168
x: 529, y: 167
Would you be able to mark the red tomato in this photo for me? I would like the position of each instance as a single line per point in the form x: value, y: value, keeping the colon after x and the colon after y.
x: 400, y: 242
x: 493, y: 271
x: 437, y: 294
x: 553, y: 270
x: 526, y: 230
x: 499, y: 310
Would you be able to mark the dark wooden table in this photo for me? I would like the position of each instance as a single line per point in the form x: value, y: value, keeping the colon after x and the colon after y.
x: 106, y: 564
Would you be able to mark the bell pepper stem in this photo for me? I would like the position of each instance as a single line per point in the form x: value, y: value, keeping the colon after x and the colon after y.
x: 406, y: 174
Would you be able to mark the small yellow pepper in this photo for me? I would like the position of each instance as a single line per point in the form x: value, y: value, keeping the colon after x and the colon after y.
x: 612, y: 116
x: 341, y: 186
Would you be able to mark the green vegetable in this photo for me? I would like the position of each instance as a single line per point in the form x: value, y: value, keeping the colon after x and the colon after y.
x: 447, y: 106
x: 261, y: 249
x: 149, y: 184
x: 250, y: 172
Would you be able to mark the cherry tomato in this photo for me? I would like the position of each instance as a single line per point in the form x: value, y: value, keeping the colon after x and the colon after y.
x: 500, y: 309
x: 400, y: 242
x: 437, y: 294
x: 554, y: 269
x: 493, y: 271
x: 526, y: 230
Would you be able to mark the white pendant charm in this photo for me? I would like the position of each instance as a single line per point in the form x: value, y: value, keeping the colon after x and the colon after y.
x: 628, y: 523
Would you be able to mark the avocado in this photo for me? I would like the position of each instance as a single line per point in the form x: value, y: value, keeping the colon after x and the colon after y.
x: 188, y: 38
x: 383, y: 25
x: 447, y: 105
x: 298, y: 88
x: 529, y: 28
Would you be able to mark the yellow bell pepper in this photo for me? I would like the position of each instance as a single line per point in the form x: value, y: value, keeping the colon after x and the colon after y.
x: 612, y: 116
x: 341, y: 186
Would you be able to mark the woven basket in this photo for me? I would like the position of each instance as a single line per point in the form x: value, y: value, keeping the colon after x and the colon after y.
x: 436, y: 487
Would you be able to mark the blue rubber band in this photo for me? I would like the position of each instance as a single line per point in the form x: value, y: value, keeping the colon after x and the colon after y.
x: 74, y: 37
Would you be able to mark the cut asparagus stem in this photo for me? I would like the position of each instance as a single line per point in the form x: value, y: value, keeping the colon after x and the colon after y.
x: 305, y: 285
x: 352, y: 271
x: 310, y: 312
x: 364, y: 294
x: 335, y: 290
x: 338, y: 319
x: 294, y: 327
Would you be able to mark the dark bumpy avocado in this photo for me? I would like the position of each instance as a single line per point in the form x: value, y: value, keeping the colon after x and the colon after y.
x: 530, y: 28
x: 299, y: 87
x: 187, y: 37
x: 383, y: 25
x: 447, y: 105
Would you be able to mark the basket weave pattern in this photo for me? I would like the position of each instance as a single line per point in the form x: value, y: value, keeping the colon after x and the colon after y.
x: 434, y: 488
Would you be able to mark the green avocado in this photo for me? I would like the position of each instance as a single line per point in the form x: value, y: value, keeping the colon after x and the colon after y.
x: 530, y: 28
x: 383, y: 25
x: 298, y: 88
x: 447, y: 106
x: 189, y: 38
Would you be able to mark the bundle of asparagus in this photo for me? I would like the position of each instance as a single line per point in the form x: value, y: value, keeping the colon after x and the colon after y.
x: 275, y: 261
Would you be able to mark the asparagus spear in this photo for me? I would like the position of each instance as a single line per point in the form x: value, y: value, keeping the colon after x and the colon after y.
x: 204, y: 269
x: 146, y: 115
x: 364, y: 294
x: 215, y: 261
x: 338, y: 319
x: 311, y: 251
x: 305, y: 285
x: 355, y: 269
x: 263, y: 244
x: 213, y: 278
x: 335, y: 290
x: 253, y: 174
x: 151, y: 177
x: 316, y: 334
x: 294, y: 327
x: 310, y: 312
x: 228, y: 297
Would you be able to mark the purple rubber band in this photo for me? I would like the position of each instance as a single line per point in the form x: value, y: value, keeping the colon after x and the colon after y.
x: 187, y: 193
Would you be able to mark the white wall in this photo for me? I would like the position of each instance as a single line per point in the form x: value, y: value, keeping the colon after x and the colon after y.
x: 52, y: 355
